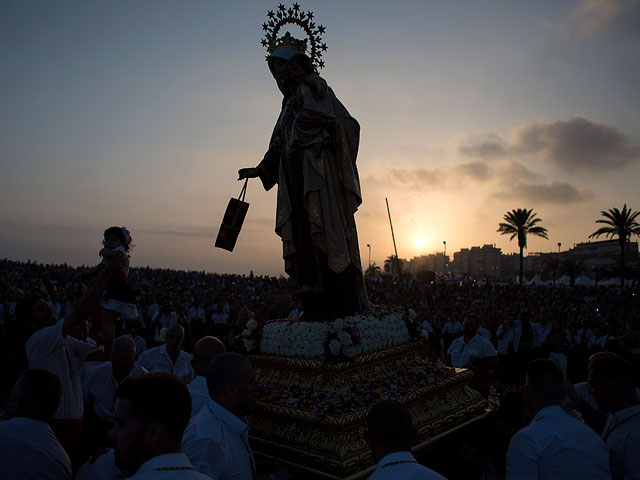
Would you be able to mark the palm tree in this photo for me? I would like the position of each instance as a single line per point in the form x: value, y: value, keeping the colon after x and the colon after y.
x: 391, y: 265
x: 552, y: 266
x: 622, y: 224
x: 573, y: 269
x: 520, y: 223
x: 373, y: 270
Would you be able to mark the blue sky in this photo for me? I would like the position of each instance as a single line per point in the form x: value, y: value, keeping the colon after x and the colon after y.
x: 140, y: 113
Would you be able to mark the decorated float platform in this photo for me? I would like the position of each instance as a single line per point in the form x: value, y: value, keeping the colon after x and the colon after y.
x: 319, y: 379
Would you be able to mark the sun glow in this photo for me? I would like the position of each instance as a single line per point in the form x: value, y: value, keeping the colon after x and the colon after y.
x: 420, y: 242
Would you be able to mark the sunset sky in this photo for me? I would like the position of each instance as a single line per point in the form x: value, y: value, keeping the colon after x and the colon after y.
x: 140, y: 113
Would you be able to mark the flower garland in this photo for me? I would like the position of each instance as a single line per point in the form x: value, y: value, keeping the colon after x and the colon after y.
x: 343, y: 339
x: 251, y: 336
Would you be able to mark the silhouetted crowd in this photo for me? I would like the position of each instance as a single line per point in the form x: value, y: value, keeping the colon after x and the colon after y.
x: 166, y: 395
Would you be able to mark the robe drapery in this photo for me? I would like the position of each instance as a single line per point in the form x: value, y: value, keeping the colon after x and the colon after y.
x: 318, y: 195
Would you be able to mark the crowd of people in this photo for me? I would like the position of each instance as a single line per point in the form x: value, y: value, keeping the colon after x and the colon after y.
x: 168, y: 390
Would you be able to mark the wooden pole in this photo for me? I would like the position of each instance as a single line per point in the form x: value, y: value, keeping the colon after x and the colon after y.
x: 394, y: 240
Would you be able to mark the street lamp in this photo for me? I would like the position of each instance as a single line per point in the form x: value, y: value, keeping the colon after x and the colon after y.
x: 444, y: 259
x: 559, y: 245
x: 369, y: 245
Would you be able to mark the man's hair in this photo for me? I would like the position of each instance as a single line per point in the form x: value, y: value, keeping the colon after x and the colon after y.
x: 225, y: 368
x: 390, y: 425
x: 124, y: 341
x: 24, y: 306
x: 614, y: 371
x: 546, y: 382
x: 39, y: 392
x: 474, y: 317
x: 158, y: 398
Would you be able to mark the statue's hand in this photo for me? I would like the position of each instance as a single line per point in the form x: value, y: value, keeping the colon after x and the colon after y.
x: 248, y: 173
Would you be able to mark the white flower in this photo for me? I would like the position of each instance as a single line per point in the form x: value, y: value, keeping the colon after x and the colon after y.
x: 338, y: 324
x: 335, y: 346
x: 249, y: 344
x: 252, y: 325
x: 352, y: 351
x: 344, y: 337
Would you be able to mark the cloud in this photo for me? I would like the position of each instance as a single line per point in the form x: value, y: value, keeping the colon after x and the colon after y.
x: 556, y: 192
x: 514, y: 171
x: 577, y: 143
x: 591, y: 18
x: 484, y: 146
x: 478, y: 171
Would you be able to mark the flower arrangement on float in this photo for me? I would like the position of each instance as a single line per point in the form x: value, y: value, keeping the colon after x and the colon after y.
x: 342, y: 339
x: 405, y: 381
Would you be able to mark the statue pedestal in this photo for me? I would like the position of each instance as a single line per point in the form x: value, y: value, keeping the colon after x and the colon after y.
x: 311, y: 412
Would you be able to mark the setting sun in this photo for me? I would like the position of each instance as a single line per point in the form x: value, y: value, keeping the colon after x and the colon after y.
x: 420, y: 242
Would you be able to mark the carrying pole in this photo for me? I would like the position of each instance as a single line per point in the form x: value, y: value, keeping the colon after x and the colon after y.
x: 394, y: 240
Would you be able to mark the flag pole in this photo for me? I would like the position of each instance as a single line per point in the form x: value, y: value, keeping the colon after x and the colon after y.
x: 394, y: 240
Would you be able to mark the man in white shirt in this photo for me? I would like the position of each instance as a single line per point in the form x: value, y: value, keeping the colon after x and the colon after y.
x: 152, y: 411
x: 390, y: 434
x: 554, y: 445
x: 217, y: 439
x: 613, y: 387
x: 204, y: 351
x: 51, y: 347
x: 28, y: 447
x: 134, y: 328
x: 169, y: 357
x: 472, y: 350
x: 100, y: 391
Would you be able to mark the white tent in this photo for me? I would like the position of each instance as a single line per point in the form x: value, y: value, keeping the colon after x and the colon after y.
x: 585, y: 281
x: 563, y: 280
x: 536, y: 281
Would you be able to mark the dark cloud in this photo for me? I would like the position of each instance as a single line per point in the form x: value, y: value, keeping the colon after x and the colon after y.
x: 483, y: 146
x: 514, y: 171
x: 478, y: 171
x: 556, y: 192
x: 577, y: 143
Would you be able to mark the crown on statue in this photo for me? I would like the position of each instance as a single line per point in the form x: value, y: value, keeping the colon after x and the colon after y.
x: 287, y: 45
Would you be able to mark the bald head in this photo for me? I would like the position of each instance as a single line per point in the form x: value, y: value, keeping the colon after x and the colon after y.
x: 124, y: 342
x: 35, y: 395
x: 204, y: 351
x: 175, y: 337
x: 124, y: 356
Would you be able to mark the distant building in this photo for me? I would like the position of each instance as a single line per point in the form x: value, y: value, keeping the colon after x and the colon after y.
x: 435, y: 262
x: 483, y: 261
x: 604, y: 254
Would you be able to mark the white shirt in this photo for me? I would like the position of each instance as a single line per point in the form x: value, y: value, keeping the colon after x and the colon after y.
x: 462, y: 354
x: 556, y: 446
x: 199, y: 392
x: 452, y: 327
x: 49, y: 350
x: 104, y: 468
x: 402, y: 465
x: 100, y: 388
x: 158, y: 360
x: 622, y: 436
x: 217, y: 443
x: 505, y: 340
x: 219, y: 317
x: 484, y: 332
x: 29, y: 450
x: 170, y: 466
x: 141, y: 344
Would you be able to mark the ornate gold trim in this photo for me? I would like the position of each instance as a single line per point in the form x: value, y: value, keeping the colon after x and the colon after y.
x: 334, y: 443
